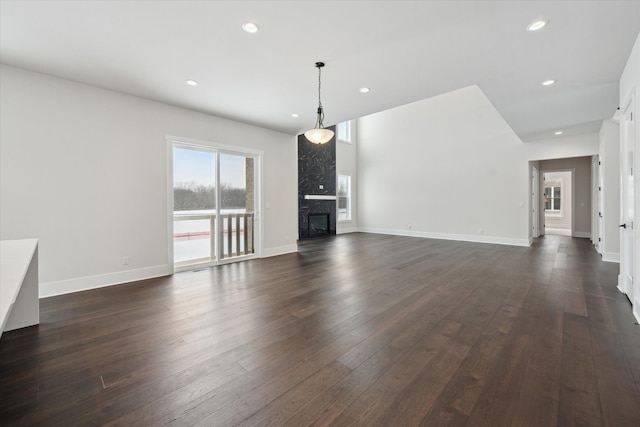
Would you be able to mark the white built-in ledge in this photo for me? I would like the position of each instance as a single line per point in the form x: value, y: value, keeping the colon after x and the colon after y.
x: 19, y: 288
x: 318, y: 197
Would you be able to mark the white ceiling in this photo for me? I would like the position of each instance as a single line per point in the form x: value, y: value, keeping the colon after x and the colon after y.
x: 404, y: 51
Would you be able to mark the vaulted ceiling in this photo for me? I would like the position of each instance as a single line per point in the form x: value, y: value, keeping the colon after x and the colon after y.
x: 404, y: 51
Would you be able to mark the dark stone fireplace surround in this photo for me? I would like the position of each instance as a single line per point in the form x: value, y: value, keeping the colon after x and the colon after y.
x: 316, y: 177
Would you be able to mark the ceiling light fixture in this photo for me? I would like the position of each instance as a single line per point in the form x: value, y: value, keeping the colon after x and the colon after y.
x: 319, y: 135
x: 191, y: 82
x: 548, y: 82
x: 536, y: 25
x: 295, y: 115
x: 559, y: 132
x: 250, y: 27
x: 364, y: 89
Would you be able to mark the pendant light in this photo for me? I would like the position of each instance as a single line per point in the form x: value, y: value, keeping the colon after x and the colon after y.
x: 319, y: 135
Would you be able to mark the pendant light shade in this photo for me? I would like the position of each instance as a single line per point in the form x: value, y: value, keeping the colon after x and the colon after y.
x: 319, y: 135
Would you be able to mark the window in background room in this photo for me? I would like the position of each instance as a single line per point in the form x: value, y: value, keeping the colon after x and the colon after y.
x: 344, y: 198
x: 552, y: 198
x: 344, y: 131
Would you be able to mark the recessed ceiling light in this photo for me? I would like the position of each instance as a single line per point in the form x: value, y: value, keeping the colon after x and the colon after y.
x: 191, y: 82
x: 559, y: 132
x: 536, y: 25
x: 295, y: 115
x: 364, y: 89
x: 250, y: 27
x: 548, y: 82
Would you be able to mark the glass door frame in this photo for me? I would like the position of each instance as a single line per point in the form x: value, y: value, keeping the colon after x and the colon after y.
x: 218, y: 149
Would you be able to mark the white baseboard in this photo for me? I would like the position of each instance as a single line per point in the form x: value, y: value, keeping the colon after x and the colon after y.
x: 582, y: 234
x: 341, y: 229
x: 62, y: 287
x: 611, y: 257
x: 635, y: 305
x: 444, y: 236
x: 279, y: 250
x: 620, y: 284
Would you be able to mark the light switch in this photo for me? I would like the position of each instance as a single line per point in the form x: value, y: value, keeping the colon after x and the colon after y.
x: 321, y: 187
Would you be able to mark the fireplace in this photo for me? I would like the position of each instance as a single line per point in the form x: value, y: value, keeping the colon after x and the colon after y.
x: 319, y: 224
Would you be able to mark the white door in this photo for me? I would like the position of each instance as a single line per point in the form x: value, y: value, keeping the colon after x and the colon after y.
x: 541, y: 206
x: 237, y: 200
x: 535, y: 202
x: 627, y: 256
x: 600, y: 208
x: 596, y: 204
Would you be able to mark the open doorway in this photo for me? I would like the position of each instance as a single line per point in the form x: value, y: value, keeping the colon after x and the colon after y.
x: 570, y: 202
x: 558, y: 203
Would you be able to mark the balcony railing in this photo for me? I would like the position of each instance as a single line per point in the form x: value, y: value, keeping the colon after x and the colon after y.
x: 194, y: 236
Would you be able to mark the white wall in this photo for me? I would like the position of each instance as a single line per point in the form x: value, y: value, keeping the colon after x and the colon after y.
x: 563, y: 219
x: 451, y: 167
x: 562, y: 147
x: 610, y: 169
x: 630, y: 84
x: 84, y: 170
x: 444, y: 167
x: 346, y: 164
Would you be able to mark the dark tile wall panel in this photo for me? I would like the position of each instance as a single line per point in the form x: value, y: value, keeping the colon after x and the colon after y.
x: 316, y: 167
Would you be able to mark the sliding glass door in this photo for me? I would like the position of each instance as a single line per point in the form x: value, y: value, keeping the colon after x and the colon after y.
x: 214, y: 201
x: 194, y: 205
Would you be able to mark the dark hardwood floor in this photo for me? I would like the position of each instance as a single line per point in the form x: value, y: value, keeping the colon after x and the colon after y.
x: 356, y: 329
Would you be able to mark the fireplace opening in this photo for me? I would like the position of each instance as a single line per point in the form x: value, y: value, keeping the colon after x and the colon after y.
x: 318, y: 224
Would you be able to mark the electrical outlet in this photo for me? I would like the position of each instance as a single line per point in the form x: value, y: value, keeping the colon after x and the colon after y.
x: 125, y: 260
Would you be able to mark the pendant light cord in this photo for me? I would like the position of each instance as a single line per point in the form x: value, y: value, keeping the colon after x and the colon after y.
x: 319, y: 135
x: 320, y: 117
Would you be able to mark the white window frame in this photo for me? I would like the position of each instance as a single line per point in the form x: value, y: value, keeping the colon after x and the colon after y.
x: 349, y: 196
x: 555, y: 184
x: 344, y: 132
